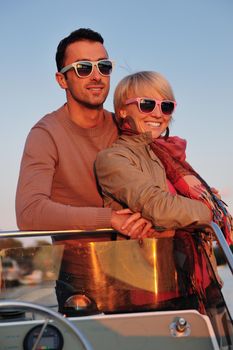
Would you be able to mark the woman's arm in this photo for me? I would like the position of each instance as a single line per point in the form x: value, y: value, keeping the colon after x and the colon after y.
x: 120, y: 177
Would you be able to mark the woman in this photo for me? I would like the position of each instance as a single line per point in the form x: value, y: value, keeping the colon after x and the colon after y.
x: 146, y: 170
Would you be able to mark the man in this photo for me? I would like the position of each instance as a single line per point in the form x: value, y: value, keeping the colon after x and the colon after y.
x: 57, y: 188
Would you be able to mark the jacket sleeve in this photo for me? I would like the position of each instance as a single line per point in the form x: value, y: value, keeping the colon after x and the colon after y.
x: 121, y: 178
x: 35, y: 210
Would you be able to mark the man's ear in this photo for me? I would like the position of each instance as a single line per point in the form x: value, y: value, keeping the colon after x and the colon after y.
x: 61, y: 79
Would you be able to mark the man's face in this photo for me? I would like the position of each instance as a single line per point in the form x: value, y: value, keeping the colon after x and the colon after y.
x: 90, y: 91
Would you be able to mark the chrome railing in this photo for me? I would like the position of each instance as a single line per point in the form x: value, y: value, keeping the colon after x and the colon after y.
x: 218, y: 234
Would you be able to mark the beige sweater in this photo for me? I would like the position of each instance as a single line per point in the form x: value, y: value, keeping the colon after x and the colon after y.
x: 57, y: 188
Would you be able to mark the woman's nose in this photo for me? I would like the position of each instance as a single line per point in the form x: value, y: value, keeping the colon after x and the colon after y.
x: 157, y: 113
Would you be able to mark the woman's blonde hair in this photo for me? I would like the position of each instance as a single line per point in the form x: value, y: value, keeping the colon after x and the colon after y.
x: 134, y: 84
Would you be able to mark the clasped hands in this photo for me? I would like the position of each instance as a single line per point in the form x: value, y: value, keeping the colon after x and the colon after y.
x: 135, y: 226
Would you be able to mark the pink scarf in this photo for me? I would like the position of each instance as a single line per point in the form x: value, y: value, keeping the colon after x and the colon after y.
x: 187, y: 181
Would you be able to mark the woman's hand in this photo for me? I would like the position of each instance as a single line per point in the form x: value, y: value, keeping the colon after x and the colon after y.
x: 216, y: 192
x: 135, y: 226
x: 131, y: 224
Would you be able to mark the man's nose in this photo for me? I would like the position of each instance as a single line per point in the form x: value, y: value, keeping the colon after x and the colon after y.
x: 95, y: 75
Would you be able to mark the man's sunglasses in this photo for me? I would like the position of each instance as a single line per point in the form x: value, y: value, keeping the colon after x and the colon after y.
x: 148, y: 105
x: 84, y: 69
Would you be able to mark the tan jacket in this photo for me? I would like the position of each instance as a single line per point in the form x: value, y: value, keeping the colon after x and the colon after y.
x: 130, y: 173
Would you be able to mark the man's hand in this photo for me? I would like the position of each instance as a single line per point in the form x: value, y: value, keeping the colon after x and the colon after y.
x: 131, y: 224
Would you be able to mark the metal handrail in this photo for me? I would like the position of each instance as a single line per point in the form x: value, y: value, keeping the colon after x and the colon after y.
x: 20, y: 234
x: 213, y: 226
x: 223, y: 244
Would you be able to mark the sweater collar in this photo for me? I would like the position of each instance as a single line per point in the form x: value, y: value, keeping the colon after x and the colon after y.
x: 97, y: 131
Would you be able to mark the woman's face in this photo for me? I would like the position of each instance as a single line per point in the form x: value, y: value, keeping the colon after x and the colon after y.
x: 156, y: 122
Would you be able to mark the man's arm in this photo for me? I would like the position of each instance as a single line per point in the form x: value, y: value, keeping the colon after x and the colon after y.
x: 35, y: 210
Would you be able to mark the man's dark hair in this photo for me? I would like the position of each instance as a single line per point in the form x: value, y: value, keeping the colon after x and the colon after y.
x: 77, y: 35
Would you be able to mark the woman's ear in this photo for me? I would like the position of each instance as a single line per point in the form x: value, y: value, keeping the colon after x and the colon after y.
x: 61, y: 79
x: 122, y: 113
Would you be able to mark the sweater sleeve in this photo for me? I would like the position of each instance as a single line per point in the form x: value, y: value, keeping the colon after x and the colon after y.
x: 121, y: 178
x: 34, y: 208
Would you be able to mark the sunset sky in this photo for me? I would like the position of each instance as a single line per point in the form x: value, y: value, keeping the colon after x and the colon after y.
x: 189, y: 42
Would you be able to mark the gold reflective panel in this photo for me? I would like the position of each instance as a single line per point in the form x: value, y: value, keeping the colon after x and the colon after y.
x: 123, y: 275
x: 94, y: 274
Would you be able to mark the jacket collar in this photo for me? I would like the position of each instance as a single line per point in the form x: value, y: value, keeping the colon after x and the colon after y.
x: 141, y: 139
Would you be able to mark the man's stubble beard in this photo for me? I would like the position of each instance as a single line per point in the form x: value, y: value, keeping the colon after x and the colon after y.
x: 89, y: 105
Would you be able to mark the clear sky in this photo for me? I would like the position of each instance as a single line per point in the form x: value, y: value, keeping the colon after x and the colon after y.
x: 190, y: 42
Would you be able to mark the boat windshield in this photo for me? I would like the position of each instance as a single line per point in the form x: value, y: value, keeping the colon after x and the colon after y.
x: 85, y: 276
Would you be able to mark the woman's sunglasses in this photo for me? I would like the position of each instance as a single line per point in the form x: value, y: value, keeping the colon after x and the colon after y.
x: 148, y: 105
x: 84, y: 69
